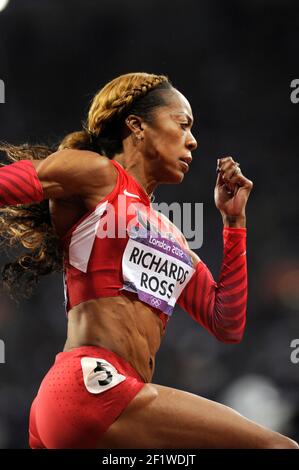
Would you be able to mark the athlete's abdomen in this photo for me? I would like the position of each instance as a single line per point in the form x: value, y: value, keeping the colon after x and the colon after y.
x: 120, y: 324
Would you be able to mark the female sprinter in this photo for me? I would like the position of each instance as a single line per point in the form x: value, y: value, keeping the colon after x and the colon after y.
x: 86, y: 209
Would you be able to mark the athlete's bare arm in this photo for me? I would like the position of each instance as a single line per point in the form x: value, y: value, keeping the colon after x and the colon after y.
x: 72, y: 172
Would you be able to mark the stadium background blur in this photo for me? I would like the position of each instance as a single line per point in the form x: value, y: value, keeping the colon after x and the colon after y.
x: 234, y: 61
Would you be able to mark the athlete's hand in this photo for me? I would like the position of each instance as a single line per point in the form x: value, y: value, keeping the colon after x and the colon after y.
x: 232, y: 189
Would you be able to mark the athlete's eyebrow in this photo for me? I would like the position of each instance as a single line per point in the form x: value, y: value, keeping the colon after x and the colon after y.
x: 190, y: 120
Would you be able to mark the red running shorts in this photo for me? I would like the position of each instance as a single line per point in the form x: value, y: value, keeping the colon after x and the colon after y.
x: 83, y: 393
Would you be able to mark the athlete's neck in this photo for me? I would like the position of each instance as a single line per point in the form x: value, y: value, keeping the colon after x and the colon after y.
x: 138, y: 172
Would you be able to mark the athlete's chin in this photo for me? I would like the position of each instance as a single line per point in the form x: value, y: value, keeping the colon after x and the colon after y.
x: 179, y: 177
x: 175, y: 177
x: 173, y: 174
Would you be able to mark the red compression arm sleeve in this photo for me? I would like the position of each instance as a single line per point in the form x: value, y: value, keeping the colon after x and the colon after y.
x: 221, y: 307
x: 19, y: 184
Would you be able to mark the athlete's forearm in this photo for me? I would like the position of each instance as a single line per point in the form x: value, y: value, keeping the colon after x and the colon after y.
x: 19, y: 184
x: 221, y: 306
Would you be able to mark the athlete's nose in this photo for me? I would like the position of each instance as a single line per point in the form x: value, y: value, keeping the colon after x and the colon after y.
x: 191, y: 142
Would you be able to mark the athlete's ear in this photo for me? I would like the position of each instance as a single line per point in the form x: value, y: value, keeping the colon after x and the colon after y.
x: 135, y: 124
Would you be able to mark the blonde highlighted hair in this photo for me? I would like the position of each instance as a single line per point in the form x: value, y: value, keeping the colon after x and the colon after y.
x: 137, y: 93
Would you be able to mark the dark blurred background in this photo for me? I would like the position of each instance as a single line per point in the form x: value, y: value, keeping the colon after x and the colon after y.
x: 234, y: 60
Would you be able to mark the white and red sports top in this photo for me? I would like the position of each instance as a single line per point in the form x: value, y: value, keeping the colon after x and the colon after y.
x: 124, y: 244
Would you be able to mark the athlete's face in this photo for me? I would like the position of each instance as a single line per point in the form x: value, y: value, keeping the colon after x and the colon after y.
x: 168, y: 141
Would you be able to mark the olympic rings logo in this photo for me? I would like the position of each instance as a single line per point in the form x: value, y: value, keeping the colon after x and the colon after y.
x: 156, y: 302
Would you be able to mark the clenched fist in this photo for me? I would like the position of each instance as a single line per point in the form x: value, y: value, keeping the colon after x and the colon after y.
x: 232, y: 190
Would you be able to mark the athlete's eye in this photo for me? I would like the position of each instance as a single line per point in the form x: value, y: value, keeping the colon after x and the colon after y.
x: 184, y: 125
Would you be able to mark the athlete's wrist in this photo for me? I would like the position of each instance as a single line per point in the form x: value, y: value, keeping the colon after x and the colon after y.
x: 234, y: 221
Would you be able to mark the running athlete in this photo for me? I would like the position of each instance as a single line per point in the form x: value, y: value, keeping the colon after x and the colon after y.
x: 86, y: 209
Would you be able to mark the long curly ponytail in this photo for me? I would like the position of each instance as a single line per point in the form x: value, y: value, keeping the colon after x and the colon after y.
x: 28, y: 225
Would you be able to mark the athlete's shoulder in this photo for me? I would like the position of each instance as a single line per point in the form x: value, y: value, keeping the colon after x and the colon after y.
x: 70, y: 171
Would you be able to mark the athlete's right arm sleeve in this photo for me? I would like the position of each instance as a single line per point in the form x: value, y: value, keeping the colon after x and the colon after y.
x: 63, y: 174
x: 19, y: 184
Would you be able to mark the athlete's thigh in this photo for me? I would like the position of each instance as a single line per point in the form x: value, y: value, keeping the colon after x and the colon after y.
x: 163, y: 417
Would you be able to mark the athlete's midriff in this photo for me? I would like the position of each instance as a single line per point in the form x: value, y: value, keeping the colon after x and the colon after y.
x: 121, y: 324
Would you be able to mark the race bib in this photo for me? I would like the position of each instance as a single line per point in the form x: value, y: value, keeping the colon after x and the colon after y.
x: 156, y: 268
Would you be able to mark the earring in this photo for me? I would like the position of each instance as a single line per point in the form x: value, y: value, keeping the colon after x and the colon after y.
x: 138, y: 138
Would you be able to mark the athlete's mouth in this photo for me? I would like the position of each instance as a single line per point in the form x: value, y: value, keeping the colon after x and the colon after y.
x: 186, y: 160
